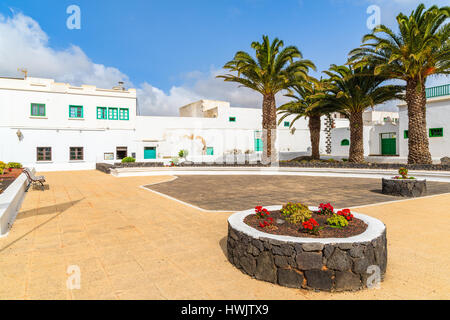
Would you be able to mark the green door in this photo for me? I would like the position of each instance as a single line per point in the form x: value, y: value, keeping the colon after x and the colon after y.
x: 258, y: 145
x: 149, y: 153
x: 388, y: 144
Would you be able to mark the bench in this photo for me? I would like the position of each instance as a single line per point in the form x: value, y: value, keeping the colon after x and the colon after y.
x: 32, y: 179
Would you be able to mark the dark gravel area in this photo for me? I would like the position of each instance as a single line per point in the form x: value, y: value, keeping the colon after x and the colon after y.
x: 242, y: 192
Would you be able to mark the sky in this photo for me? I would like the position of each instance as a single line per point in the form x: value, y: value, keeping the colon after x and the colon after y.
x: 171, y: 51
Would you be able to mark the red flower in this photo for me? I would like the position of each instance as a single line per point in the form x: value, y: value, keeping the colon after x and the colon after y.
x: 346, y: 213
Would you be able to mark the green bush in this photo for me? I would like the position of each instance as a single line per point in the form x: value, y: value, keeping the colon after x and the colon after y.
x: 15, y: 165
x: 296, y: 212
x: 337, y: 221
x: 183, y: 153
x: 3, y: 166
x: 128, y: 160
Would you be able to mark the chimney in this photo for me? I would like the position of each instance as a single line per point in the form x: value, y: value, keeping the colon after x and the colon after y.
x: 120, y: 86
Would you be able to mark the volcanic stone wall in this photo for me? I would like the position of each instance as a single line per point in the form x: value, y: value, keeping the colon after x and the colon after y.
x: 317, y: 266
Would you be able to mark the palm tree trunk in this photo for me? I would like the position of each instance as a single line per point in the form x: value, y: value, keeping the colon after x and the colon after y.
x: 356, y: 137
x: 269, y: 125
x: 314, y: 130
x: 418, y: 143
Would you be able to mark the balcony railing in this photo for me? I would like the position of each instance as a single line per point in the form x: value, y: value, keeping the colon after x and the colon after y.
x: 438, y: 91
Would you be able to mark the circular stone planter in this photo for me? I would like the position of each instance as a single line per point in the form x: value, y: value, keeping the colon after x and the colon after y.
x: 329, y: 264
x: 404, y: 187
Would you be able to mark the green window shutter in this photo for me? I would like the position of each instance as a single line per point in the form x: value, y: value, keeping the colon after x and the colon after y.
x: 113, y: 114
x: 232, y: 119
x: 102, y: 113
x: 287, y: 124
x: 436, y: 132
x: 406, y: 134
x: 210, y: 151
x: 37, y: 110
x: 345, y: 142
x: 76, y: 112
x: 124, y: 114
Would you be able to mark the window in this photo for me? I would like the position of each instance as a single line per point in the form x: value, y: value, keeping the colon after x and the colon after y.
x: 76, y: 153
x: 210, y: 151
x: 124, y: 114
x: 44, y: 154
x: 102, y: 113
x: 113, y: 114
x: 345, y: 142
x: 287, y: 124
x: 406, y: 134
x: 76, y: 112
x: 232, y: 119
x: 37, y: 110
x: 436, y: 132
x: 108, y: 156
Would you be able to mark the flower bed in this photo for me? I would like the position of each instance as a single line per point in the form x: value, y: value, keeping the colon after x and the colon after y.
x: 404, y: 186
x: 287, y: 229
x: 8, y: 177
x: 311, y: 259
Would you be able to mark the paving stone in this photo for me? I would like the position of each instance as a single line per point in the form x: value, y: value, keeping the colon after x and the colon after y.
x: 319, y: 279
x: 265, y: 268
x: 313, y: 246
x: 339, y: 260
x: 309, y: 260
x: 290, y: 278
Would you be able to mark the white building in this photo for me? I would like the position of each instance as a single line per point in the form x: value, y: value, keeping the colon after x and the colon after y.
x: 386, y: 133
x: 377, y: 126
x: 438, y: 123
x: 56, y: 126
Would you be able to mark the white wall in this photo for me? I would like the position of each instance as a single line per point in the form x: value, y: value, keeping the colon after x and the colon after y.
x: 438, y: 116
x: 56, y: 129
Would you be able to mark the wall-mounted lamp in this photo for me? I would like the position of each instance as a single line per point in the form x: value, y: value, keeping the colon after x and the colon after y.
x: 19, y: 135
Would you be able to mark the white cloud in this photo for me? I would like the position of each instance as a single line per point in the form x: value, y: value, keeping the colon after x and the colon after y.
x: 23, y: 44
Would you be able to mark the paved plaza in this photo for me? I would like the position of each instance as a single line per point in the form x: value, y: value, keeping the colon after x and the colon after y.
x: 132, y: 243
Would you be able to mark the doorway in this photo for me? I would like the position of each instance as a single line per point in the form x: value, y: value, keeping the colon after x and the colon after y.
x: 389, y: 144
x: 149, y: 153
x: 121, y: 152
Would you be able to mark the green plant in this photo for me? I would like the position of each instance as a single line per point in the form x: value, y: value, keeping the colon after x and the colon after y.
x: 183, y: 154
x: 303, y: 97
x: 128, y: 160
x: 354, y: 90
x: 420, y: 49
x: 296, y: 212
x: 2, y: 167
x: 337, y: 221
x: 272, y: 70
x: 174, y: 161
x: 403, y: 172
x: 15, y: 165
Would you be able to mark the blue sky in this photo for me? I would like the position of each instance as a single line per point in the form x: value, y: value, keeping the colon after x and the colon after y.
x: 171, y: 50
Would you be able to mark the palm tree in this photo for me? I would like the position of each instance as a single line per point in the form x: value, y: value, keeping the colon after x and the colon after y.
x: 302, y: 95
x: 273, y: 70
x: 420, y: 49
x: 353, y: 90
